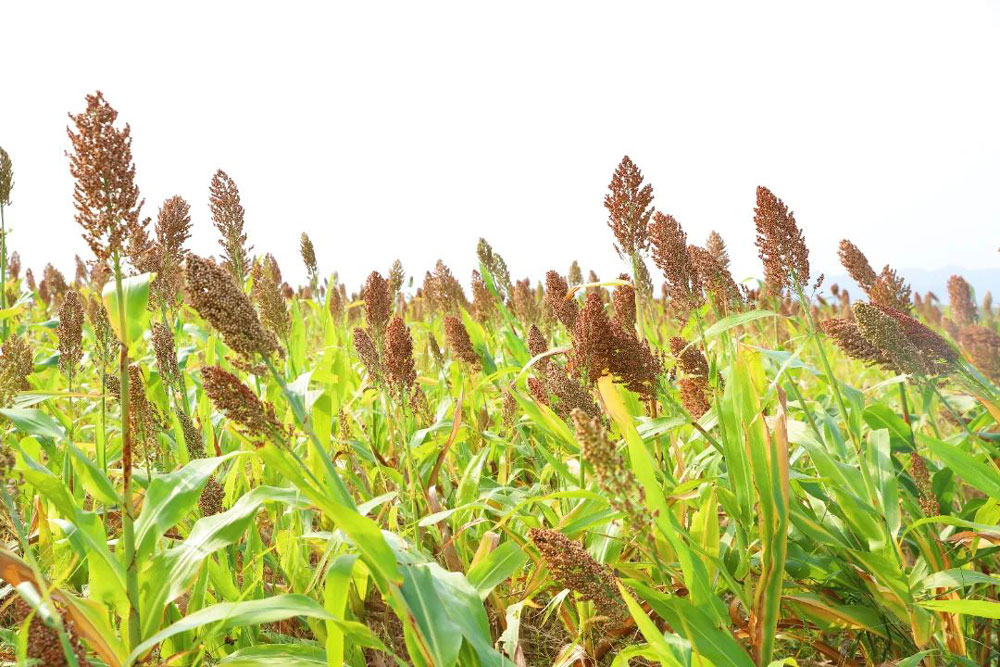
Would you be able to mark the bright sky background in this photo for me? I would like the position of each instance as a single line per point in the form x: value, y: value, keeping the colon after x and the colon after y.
x: 411, y: 129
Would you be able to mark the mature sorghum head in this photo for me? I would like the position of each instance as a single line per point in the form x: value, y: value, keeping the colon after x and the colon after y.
x: 780, y: 244
x: 716, y: 247
x: 483, y: 303
x: 365, y: 348
x: 496, y: 267
x: 629, y: 205
x: 70, y: 332
x: 716, y: 279
x: 16, y: 364
x: 457, y: 338
x: 173, y: 229
x: 847, y: 336
x: 671, y: 256
x: 105, y: 195
x: 569, y: 394
x: 378, y: 304
x: 572, y: 567
x: 556, y: 293
x: 623, y: 302
x: 227, y: 215
x: 6, y: 177
x: 308, y: 252
x: 266, y: 293
x: 166, y: 356
x: 240, y: 404
x: 215, y: 295
x: 913, y: 347
x: 399, y: 370
x: 963, y: 306
x: 982, y: 346
x: 537, y: 345
x: 857, y: 265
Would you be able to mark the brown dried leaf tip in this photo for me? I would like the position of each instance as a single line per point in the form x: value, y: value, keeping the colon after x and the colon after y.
x: 572, y: 567
x: 781, y: 246
x: 240, y: 404
x: 219, y: 300
x: 105, y: 195
x: 629, y: 205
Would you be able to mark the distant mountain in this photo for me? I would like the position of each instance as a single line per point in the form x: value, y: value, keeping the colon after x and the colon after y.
x: 932, y: 280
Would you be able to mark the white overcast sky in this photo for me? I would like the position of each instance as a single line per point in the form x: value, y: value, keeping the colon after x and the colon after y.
x: 411, y: 129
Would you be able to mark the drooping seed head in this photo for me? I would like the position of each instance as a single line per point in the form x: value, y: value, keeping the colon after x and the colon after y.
x: 213, y: 292
x: 629, y: 203
x: 982, y: 347
x: 616, y: 479
x: 568, y: 393
x: 365, y: 348
x: 193, y: 441
x: 240, y: 404
x: 166, y: 355
x: 913, y: 347
x: 847, y: 336
x: 572, y: 567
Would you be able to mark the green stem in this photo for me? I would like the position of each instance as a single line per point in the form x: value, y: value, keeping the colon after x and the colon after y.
x: 128, y: 519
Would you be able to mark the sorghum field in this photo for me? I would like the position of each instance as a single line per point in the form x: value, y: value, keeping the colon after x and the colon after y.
x: 205, y: 465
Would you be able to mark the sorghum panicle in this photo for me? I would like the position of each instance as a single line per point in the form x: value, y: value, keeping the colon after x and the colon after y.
x: 963, y: 306
x: 227, y: 215
x: 70, y: 333
x: 780, y: 243
x: 857, y: 265
x: 105, y: 195
x: 213, y: 292
x: 556, y: 291
x: 623, y: 303
x: 378, y: 304
x: 458, y: 340
x: 671, y: 256
x: 572, y: 567
x: 629, y: 205
x: 240, y: 404
x: 400, y: 373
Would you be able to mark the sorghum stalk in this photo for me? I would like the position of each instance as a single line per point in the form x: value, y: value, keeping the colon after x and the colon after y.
x: 128, y: 529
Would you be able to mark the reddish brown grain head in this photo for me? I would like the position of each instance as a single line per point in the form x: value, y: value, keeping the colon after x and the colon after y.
x: 572, y: 567
x: 213, y: 292
x: 105, y: 195
x: 629, y: 203
x: 457, y: 338
x: 716, y: 247
x: 399, y: 369
x: 378, y: 304
x: 227, y: 215
x: 70, y: 333
x: 857, y: 265
x: 671, y: 256
x: 963, y: 306
x: 623, y: 303
x: 240, y: 404
x: 780, y: 244
x: 556, y: 291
